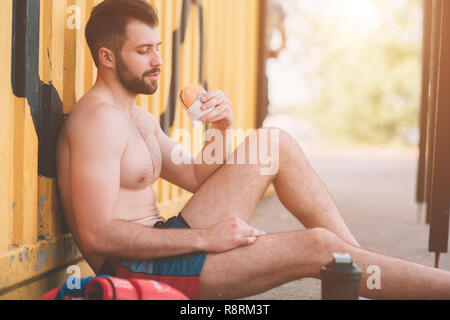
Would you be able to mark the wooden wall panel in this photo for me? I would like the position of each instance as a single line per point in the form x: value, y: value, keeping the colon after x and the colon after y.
x: 53, y: 68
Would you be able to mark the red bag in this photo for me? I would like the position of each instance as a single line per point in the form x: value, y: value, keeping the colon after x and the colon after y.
x: 111, y: 288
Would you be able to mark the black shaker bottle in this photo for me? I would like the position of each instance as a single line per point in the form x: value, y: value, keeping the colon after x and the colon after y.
x: 341, y: 279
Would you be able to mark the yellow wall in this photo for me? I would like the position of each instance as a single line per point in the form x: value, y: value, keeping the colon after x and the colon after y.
x: 35, y: 247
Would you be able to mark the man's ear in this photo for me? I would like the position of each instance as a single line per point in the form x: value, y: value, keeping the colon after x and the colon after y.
x: 106, y: 58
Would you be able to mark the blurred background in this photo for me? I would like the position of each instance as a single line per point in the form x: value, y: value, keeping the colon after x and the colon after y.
x: 350, y: 74
x: 349, y: 79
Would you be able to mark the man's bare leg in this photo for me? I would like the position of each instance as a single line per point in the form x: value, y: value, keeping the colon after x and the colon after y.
x: 235, y: 190
x: 280, y: 258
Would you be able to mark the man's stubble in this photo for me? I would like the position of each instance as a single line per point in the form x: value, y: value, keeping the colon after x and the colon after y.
x: 134, y: 83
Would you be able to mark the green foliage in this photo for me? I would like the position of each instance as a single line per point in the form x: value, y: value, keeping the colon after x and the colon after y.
x: 370, y: 80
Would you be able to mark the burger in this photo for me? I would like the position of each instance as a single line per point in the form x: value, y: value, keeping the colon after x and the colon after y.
x: 189, y: 98
x: 190, y: 94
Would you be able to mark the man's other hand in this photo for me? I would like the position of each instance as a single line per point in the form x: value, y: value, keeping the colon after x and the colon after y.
x: 228, y: 235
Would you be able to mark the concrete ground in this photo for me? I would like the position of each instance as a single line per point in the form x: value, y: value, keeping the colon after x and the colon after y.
x: 375, y: 190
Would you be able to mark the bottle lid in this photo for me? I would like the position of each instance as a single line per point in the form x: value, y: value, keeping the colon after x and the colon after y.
x: 343, y: 264
x: 342, y: 258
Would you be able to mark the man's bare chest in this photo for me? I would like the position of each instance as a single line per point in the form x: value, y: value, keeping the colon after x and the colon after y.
x: 141, y: 162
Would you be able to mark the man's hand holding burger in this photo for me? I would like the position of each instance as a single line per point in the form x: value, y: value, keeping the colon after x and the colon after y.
x: 221, y: 117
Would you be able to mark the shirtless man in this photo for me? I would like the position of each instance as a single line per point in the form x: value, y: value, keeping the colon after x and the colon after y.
x: 111, y: 152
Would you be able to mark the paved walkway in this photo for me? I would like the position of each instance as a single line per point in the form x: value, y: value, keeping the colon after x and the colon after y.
x: 375, y: 191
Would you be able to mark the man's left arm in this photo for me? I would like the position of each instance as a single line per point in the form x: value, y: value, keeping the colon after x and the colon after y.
x: 191, y: 174
x: 221, y: 120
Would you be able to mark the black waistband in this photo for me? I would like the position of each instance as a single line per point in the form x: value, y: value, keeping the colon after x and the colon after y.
x: 159, y: 225
x: 180, y: 217
x: 162, y: 225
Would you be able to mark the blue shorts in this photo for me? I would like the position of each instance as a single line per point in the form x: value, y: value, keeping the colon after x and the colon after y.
x: 180, y: 272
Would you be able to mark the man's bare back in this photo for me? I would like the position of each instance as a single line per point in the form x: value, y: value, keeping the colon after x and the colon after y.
x: 140, y: 166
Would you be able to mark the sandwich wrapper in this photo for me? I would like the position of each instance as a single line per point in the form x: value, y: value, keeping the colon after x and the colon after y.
x: 195, y: 112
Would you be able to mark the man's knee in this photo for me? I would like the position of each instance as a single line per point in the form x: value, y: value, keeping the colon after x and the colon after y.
x: 272, y: 133
x: 280, y: 140
x: 325, y: 242
x: 318, y: 246
x: 272, y: 137
x: 269, y: 147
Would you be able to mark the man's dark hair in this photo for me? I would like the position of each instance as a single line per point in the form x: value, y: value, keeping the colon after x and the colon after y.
x: 107, y: 25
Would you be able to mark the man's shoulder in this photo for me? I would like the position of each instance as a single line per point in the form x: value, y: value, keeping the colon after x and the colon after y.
x: 91, y: 118
x: 92, y: 111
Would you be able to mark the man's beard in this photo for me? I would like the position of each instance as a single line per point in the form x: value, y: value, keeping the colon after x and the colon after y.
x: 133, y: 83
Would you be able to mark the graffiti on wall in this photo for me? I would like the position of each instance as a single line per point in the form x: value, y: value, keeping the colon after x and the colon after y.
x: 178, y: 38
x: 43, y: 99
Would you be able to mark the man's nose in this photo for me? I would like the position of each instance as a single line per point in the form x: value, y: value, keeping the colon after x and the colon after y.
x: 156, y: 61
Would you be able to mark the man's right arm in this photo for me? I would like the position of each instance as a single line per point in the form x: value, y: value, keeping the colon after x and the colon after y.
x: 96, y: 151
